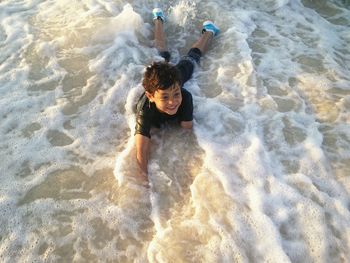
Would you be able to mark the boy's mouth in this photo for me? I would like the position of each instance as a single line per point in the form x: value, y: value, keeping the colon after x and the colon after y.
x: 172, y: 109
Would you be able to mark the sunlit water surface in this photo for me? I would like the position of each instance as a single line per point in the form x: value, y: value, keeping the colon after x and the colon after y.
x: 263, y: 177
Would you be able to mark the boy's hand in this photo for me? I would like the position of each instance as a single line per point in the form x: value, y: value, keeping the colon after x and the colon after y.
x: 143, y: 177
x: 186, y: 124
x: 142, y: 153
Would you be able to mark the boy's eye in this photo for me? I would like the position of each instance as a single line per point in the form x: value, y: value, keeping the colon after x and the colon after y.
x: 164, y: 98
x: 177, y: 94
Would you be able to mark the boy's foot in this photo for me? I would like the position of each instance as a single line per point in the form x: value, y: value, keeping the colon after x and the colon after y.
x: 211, y: 27
x: 158, y: 14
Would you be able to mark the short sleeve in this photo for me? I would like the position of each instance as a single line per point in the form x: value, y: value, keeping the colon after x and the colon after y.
x: 186, y: 109
x: 143, y: 117
x: 143, y: 124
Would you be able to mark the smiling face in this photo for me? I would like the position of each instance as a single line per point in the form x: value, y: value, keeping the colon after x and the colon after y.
x: 168, y: 100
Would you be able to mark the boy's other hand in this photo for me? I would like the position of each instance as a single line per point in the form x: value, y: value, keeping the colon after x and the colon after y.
x: 186, y: 124
x: 142, y: 178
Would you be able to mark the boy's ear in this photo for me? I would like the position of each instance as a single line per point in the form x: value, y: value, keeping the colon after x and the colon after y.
x: 149, y: 96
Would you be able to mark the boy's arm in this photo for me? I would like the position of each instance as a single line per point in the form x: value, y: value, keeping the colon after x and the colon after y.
x: 142, y: 153
x: 186, y: 112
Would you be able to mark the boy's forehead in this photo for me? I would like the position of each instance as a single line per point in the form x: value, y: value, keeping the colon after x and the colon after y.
x: 170, y: 89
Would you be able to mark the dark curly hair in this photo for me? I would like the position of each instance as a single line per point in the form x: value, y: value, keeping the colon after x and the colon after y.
x: 160, y: 75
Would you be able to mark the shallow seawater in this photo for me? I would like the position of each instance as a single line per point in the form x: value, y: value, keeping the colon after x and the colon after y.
x: 263, y: 177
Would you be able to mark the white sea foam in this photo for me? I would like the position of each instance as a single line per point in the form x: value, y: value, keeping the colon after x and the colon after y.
x: 264, y: 176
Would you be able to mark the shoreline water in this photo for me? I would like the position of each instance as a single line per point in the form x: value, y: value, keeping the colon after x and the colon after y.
x: 264, y: 176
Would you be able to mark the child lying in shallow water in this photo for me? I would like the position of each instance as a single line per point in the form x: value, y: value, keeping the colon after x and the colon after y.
x: 165, y: 99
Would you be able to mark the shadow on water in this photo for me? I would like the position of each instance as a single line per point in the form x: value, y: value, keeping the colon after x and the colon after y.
x: 176, y: 160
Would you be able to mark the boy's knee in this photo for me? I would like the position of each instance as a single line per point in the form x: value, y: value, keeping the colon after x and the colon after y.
x: 195, y: 54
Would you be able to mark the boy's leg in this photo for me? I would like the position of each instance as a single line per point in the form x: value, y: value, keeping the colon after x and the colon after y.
x: 159, y: 35
x: 209, y: 31
x: 203, y: 42
x: 186, y: 64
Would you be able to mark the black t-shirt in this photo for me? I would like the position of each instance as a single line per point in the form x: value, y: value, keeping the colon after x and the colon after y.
x: 148, y: 115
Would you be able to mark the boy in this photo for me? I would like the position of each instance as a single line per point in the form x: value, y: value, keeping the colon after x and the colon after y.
x: 165, y: 99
